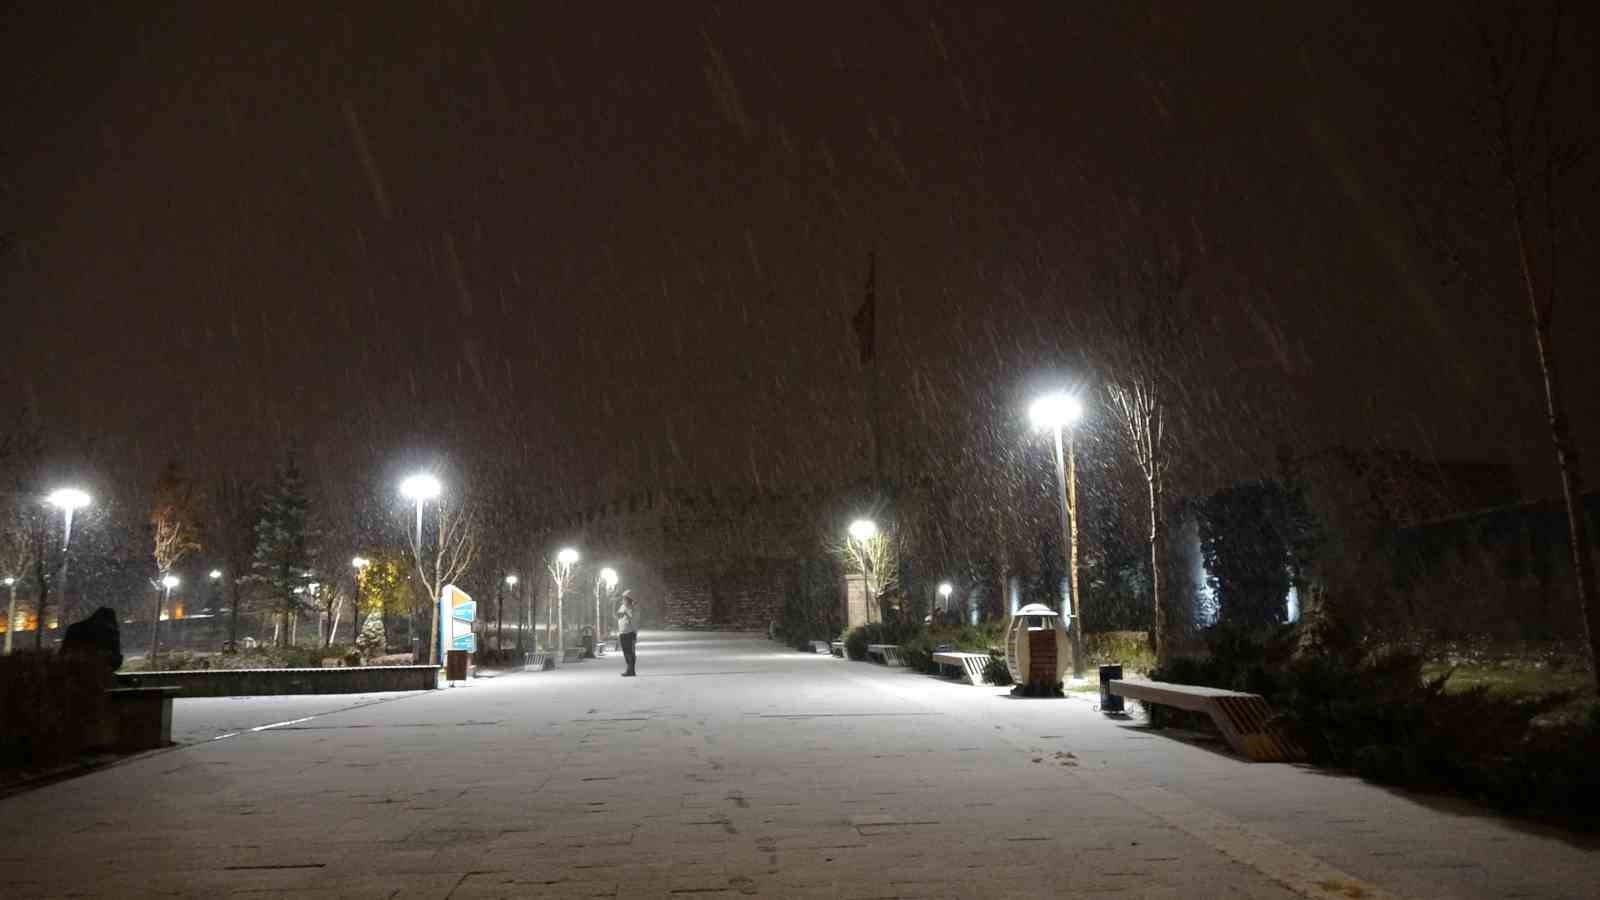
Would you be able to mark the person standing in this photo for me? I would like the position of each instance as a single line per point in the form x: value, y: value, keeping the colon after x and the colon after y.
x: 628, y: 630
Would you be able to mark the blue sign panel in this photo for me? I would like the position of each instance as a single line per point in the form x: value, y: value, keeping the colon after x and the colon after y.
x: 465, y: 612
x: 463, y: 642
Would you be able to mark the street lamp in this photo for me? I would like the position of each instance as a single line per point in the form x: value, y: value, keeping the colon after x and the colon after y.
x: 511, y: 584
x: 420, y: 488
x: 562, y: 572
x: 11, y: 611
x: 608, y: 578
x: 945, y: 590
x: 359, y: 563
x: 69, y: 500
x: 864, y: 530
x: 1057, y: 412
x: 168, y: 582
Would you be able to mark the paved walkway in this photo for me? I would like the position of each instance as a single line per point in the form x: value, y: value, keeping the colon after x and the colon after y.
x: 733, y: 766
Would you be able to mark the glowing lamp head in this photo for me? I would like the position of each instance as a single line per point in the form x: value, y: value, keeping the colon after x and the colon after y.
x: 1056, y: 410
x: 945, y: 589
x: 420, y: 487
x: 609, y: 576
x: 215, y: 574
x: 511, y: 580
x: 863, y: 530
x: 359, y: 562
x: 68, y: 499
x: 567, y: 556
x: 169, y: 582
x: 10, y: 581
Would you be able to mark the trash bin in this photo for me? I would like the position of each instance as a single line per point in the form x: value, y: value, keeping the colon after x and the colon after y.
x: 455, y: 665
x: 588, y: 646
x: 1109, y: 702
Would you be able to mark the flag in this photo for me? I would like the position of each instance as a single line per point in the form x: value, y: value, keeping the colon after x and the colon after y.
x: 866, y: 317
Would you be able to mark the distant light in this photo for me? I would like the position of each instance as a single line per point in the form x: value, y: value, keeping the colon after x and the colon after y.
x: 68, y: 499
x: 360, y: 562
x: 609, y: 576
x: 945, y: 589
x: 299, y: 590
x: 313, y: 587
x: 511, y: 580
x: 567, y: 556
x: 169, y: 582
x: 10, y: 581
x: 420, y: 487
x: 1055, y: 410
x: 215, y: 574
x: 863, y: 530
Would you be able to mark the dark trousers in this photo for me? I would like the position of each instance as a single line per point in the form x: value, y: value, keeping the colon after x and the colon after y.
x: 629, y: 639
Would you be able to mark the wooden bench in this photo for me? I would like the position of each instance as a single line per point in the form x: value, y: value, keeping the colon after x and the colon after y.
x: 888, y: 654
x: 970, y: 665
x: 141, y: 717
x: 836, y: 648
x: 1245, y: 720
x: 820, y: 647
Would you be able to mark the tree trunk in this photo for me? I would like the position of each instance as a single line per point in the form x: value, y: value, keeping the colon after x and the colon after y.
x: 233, y: 619
x: 433, y: 633
x: 41, y: 608
x: 155, y: 634
x: 1561, y: 436
x: 1157, y: 547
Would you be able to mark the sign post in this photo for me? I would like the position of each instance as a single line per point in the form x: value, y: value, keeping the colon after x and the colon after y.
x: 457, y: 612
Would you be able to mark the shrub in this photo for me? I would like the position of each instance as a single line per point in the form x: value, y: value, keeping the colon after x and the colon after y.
x: 995, y: 671
x: 1130, y: 649
x: 392, y: 659
x: 53, y: 707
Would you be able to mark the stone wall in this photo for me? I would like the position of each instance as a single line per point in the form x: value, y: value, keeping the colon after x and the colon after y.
x: 259, y: 682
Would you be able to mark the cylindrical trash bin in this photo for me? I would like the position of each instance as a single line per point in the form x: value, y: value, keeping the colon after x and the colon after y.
x: 588, y: 646
x: 1109, y: 702
x: 455, y: 665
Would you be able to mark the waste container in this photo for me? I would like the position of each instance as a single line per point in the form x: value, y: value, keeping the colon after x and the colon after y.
x: 588, y: 646
x: 455, y: 665
x: 1109, y: 702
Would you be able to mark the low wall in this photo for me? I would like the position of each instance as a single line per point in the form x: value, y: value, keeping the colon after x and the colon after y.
x: 257, y: 682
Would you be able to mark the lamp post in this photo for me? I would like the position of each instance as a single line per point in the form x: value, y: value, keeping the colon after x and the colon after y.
x: 168, y: 582
x: 1058, y: 412
x: 11, y: 610
x: 608, y: 579
x: 69, y: 501
x: 500, y: 613
x: 215, y: 576
x: 562, y: 573
x: 864, y: 530
x: 945, y: 590
x: 420, y: 489
x: 359, y: 563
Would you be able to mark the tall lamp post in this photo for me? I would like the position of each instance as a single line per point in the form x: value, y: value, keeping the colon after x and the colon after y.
x: 359, y: 563
x: 607, y: 582
x: 562, y: 573
x: 168, y: 582
x: 69, y: 501
x: 511, y: 586
x: 419, y: 489
x: 864, y: 530
x: 1058, y: 412
x: 945, y: 590
x: 11, y: 610
x: 216, y: 578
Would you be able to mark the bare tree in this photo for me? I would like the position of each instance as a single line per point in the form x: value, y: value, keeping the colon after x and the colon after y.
x: 16, y: 556
x: 446, y: 561
x: 1532, y: 159
x: 1138, y: 339
x: 174, y: 533
x: 234, y: 508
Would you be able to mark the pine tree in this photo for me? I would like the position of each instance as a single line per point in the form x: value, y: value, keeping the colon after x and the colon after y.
x: 286, y: 539
x: 372, y: 642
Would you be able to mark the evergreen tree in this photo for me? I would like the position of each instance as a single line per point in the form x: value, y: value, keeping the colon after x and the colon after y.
x: 372, y: 642
x: 286, y: 537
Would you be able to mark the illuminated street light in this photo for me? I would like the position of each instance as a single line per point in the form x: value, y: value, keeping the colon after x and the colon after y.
x: 168, y: 582
x: 1057, y: 412
x: 216, y: 574
x: 864, y: 530
x: 511, y: 581
x: 11, y: 611
x: 420, y: 488
x: 69, y: 500
x: 567, y: 556
x: 359, y: 562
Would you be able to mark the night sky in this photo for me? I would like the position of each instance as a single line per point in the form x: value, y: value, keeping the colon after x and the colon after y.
x: 612, y: 247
